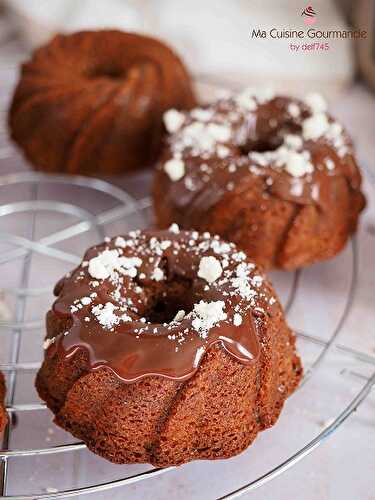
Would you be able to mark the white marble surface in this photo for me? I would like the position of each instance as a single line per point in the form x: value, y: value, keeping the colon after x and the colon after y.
x: 343, y: 467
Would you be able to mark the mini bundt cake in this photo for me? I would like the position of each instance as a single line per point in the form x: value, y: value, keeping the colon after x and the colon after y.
x: 275, y: 175
x: 165, y: 347
x: 3, y: 415
x: 92, y: 102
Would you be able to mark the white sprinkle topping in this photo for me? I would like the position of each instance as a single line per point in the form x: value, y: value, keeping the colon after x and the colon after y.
x: 158, y: 274
x: 179, y: 316
x: 206, y: 132
x: 175, y: 168
x: 108, y: 261
x: 220, y: 247
x: 202, y: 115
x: 246, y: 101
x: 173, y: 120
x: 335, y: 131
x: 297, y: 165
x: 173, y: 228
x: 105, y: 315
x: 262, y: 95
x: 219, y: 132
x: 210, y: 269
x: 98, y: 269
x: 206, y: 315
x: 293, y: 141
x: 329, y: 164
x: 296, y: 189
x: 316, y: 102
x: 294, y: 110
x: 120, y: 242
x: 48, y: 342
x: 222, y: 151
x: 237, y: 319
x: 315, y: 126
x: 165, y: 244
x: 217, y: 262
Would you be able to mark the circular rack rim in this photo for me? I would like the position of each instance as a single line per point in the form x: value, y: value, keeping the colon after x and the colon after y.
x: 130, y: 206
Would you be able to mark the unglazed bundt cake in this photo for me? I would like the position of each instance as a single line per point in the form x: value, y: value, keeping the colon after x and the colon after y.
x: 92, y: 102
x: 165, y: 347
x: 3, y: 415
x: 277, y: 176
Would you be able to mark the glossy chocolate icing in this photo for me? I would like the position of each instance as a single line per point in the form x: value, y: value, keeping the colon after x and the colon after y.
x: 172, y: 349
x: 258, y: 132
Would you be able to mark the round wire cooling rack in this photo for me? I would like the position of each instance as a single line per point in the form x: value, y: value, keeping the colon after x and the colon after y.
x: 43, y: 227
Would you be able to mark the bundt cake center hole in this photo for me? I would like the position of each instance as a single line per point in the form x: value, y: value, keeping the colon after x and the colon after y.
x: 261, y: 145
x: 175, y: 296
x: 106, y: 71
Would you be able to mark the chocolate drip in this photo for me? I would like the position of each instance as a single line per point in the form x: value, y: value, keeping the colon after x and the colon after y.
x: 132, y: 358
x: 167, y: 348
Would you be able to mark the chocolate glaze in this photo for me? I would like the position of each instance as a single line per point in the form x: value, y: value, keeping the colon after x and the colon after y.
x: 132, y: 355
x: 260, y: 131
x: 132, y: 358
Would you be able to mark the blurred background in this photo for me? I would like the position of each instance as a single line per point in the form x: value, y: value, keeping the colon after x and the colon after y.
x: 213, y: 36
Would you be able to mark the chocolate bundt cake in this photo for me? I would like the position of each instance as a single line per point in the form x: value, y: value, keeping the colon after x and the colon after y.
x: 92, y: 102
x: 165, y: 347
x: 3, y: 415
x: 275, y: 175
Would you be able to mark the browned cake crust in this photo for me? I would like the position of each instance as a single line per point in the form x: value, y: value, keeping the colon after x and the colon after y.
x: 275, y: 175
x: 92, y: 102
x: 3, y: 415
x: 216, y: 411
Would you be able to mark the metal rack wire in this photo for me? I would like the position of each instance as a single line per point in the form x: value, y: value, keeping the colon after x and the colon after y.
x: 124, y: 207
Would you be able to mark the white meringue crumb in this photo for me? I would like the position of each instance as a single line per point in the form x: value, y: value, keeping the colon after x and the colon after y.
x: 315, y: 126
x: 294, y: 110
x: 316, y: 102
x: 158, y: 274
x: 179, y: 316
x: 206, y: 315
x: 175, y: 169
x: 173, y: 228
x: 173, y: 120
x: 210, y: 269
x: 237, y: 319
